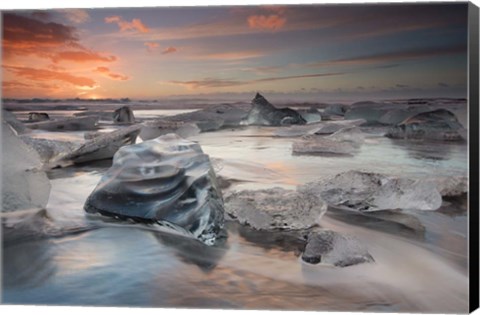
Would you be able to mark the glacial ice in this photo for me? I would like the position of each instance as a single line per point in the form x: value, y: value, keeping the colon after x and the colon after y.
x: 275, y: 208
x: 311, y: 115
x: 35, y: 117
x: 364, y: 191
x: 24, y: 184
x: 123, y: 115
x: 345, y: 141
x: 102, y: 145
x: 329, y: 247
x: 65, y: 124
x: 265, y: 114
x: 167, y: 179
x: 439, y: 124
x: 17, y: 126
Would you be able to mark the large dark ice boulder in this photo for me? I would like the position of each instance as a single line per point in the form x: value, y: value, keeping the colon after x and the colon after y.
x: 329, y: 247
x: 264, y: 113
x: 123, y: 115
x: 167, y: 179
x: 439, y: 124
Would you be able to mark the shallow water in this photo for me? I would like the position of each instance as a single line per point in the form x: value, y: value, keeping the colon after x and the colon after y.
x: 113, y: 263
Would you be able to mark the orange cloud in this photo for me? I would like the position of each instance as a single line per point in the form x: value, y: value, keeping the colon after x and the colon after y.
x: 81, y: 56
x: 14, y: 84
x: 135, y: 24
x: 169, y: 50
x: 266, y: 22
x: 24, y: 35
x: 35, y: 74
x: 111, y: 75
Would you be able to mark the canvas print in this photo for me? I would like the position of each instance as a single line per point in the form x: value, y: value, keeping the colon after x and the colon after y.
x: 287, y: 157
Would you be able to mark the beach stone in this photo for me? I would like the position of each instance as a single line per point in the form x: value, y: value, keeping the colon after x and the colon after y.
x: 363, y: 191
x: 264, y: 113
x: 123, y: 115
x: 24, y: 184
x: 439, y: 124
x: 329, y: 247
x: 167, y: 179
x: 275, y: 209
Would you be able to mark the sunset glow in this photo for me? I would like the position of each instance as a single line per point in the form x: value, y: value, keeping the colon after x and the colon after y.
x: 325, y: 50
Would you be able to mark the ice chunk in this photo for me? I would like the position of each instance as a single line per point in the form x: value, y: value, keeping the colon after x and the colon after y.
x: 276, y: 208
x: 439, y: 124
x: 329, y: 247
x: 71, y: 123
x: 264, y: 113
x: 35, y: 117
x: 311, y: 115
x: 167, y: 179
x: 344, y: 141
x: 123, y: 115
x: 336, y: 109
x: 363, y: 191
x: 102, y: 146
x: 17, y: 126
x: 24, y: 185
x: 155, y: 128
x: 48, y: 149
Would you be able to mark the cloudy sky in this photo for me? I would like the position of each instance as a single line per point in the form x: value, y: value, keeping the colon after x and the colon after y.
x: 335, y: 51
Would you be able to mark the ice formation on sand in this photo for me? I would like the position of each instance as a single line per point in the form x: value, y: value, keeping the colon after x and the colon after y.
x: 346, y: 141
x: 155, y: 128
x: 275, y: 209
x: 329, y: 247
x: 371, y: 192
x: 264, y: 113
x: 24, y: 185
x: 168, y: 179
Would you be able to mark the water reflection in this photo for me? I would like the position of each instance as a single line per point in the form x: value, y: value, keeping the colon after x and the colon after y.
x: 192, y: 251
x: 429, y: 150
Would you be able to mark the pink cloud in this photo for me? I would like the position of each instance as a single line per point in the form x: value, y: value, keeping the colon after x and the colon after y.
x: 115, y: 76
x: 135, y: 24
x: 266, y: 22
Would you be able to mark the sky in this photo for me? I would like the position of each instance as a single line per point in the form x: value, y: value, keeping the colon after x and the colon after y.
x: 306, y: 51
